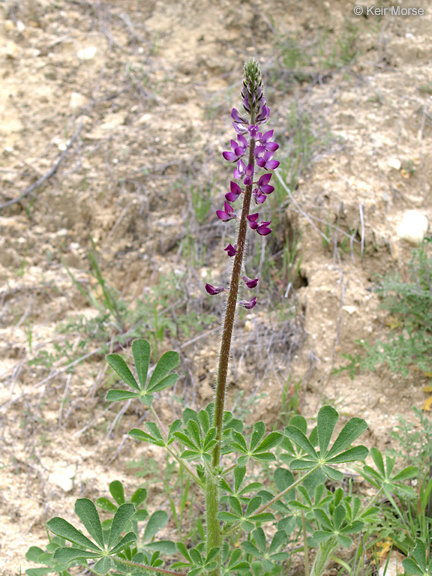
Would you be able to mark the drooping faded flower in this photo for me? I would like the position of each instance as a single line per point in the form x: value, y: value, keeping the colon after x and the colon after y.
x: 212, y: 290
x: 249, y: 282
x: 249, y: 304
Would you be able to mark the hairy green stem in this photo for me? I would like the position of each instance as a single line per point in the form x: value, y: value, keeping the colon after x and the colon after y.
x: 325, y: 551
x: 230, y: 313
x: 305, y: 543
x: 152, y: 568
x: 214, y: 536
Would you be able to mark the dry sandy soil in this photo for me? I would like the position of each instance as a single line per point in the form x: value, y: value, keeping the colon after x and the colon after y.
x: 149, y: 85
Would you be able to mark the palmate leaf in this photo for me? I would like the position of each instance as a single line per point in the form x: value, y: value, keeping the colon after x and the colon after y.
x: 321, y: 436
x: 87, y: 513
x: 156, y: 522
x: 62, y: 528
x: 160, y: 379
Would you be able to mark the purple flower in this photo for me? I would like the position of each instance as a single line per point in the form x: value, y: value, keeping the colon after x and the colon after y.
x: 261, y: 228
x: 263, y: 184
x: 235, y: 192
x: 242, y: 171
x: 227, y: 214
x: 212, y: 290
x: 249, y: 282
x: 264, y: 158
x: 253, y: 220
x: 263, y: 116
x: 253, y: 131
x: 249, y: 304
x: 260, y: 198
x: 237, y: 118
x: 231, y: 250
x: 238, y: 150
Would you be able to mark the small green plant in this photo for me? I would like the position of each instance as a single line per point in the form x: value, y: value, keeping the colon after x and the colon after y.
x: 409, y: 301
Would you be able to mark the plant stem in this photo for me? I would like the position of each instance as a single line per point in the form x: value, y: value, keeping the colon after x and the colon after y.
x: 230, y: 312
x: 214, y: 536
x: 137, y: 565
x: 325, y: 551
x: 305, y: 544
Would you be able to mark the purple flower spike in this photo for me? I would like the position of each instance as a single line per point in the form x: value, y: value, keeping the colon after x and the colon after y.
x: 239, y: 128
x: 248, y: 304
x: 263, y: 184
x: 227, y: 214
x: 231, y: 250
x: 235, y: 192
x: 249, y: 282
x: 253, y: 131
x: 212, y: 290
x: 263, y: 229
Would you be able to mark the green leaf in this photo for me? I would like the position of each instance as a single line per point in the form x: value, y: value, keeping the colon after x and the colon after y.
x: 283, y: 478
x: 344, y: 540
x: 143, y: 436
x: 140, y: 515
x: 184, y: 439
x: 66, y: 555
x: 351, y: 455
x: 141, y: 354
x: 212, y: 554
x: 321, y: 536
x: 263, y: 517
x: 166, y: 363
x: 339, y: 515
x: 125, y: 542
x: 406, y: 473
x: 253, y: 506
x: 39, y: 571
x: 240, y: 443
x: 105, y: 504
x: 170, y: 380
x: 302, y: 464
x: 196, y: 557
x: 119, y: 365
x: 118, y: 395
x: 33, y: 553
x: 195, y: 433
x: 103, y: 565
x: 278, y: 540
x: 419, y: 554
x: 300, y: 439
x: 156, y: 522
x: 121, y: 518
x: 269, y: 442
x: 62, y: 528
x: 87, y: 513
x: 249, y: 548
x: 327, y: 418
x: 411, y: 567
x: 352, y: 430
x: 239, y: 474
x: 299, y: 422
x: 117, y: 491
x: 257, y: 434
x: 332, y: 473
x: 235, y: 505
x: 139, y: 496
x: 323, y: 519
x: 227, y: 517
x: 164, y: 546
x: 378, y: 460
x: 260, y: 539
x: 183, y: 551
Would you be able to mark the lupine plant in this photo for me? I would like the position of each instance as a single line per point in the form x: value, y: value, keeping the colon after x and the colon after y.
x: 246, y: 529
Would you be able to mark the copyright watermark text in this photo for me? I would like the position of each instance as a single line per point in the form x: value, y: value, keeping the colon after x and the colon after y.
x: 388, y: 10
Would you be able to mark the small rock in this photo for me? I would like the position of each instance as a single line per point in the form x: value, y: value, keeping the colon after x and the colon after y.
x: 413, y: 227
x: 347, y: 97
x: 12, y: 50
x: 63, y: 480
x: 87, y: 53
x: 144, y: 119
x: 349, y: 309
x: 77, y: 100
x: 394, y: 163
x: 9, y: 25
